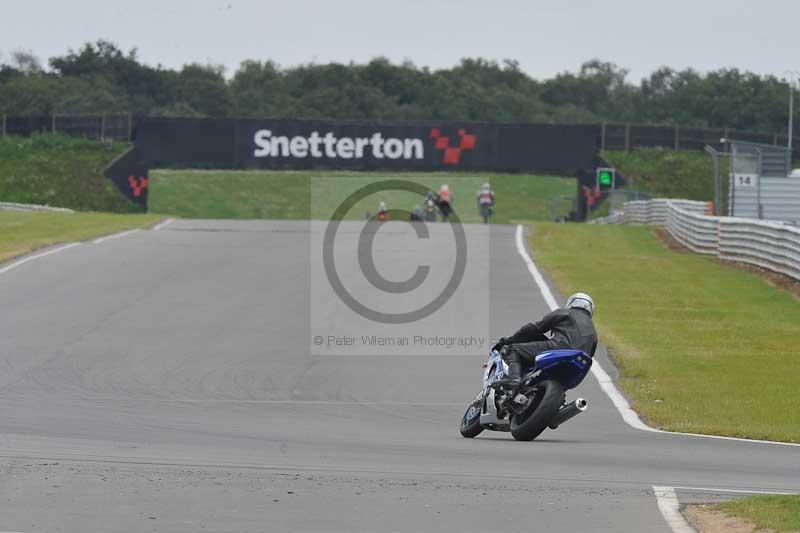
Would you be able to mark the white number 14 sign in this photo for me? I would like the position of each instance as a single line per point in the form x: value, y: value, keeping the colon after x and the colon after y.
x: 745, y: 180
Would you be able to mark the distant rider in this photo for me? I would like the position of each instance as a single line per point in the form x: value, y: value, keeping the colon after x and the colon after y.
x: 430, y: 208
x: 569, y: 327
x: 445, y: 202
x: 486, y: 202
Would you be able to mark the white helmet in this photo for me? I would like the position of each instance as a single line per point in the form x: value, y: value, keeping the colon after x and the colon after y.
x: 486, y: 187
x: 581, y: 300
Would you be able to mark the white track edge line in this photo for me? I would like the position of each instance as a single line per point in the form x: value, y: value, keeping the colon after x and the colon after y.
x: 24, y: 260
x: 163, y: 223
x: 670, y: 509
x: 606, y: 383
x: 115, y: 236
x: 736, y: 491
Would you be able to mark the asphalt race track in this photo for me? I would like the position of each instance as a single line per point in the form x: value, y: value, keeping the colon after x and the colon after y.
x: 164, y: 381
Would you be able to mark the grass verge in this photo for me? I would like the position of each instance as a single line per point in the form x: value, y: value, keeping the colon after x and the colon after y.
x: 669, y: 174
x: 21, y: 233
x: 702, y: 347
x: 778, y: 513
x: 61, y: 171
x: 292, y: 195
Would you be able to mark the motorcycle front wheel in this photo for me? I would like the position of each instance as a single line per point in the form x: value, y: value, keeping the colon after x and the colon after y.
x: 545, y: 400
x: 471, y: 421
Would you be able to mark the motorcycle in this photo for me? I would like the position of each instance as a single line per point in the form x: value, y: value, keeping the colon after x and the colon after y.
x: 486, y: 212
x: 431, y: 211
x: 537, y: 403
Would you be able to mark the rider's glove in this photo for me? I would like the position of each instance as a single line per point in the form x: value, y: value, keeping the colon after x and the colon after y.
x: 502, y: 341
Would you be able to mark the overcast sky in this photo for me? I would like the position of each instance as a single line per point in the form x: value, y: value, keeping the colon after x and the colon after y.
x: 546, y: 37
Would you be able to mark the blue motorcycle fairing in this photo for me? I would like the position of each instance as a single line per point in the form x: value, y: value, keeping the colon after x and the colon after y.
x: 495, y: 369
x: 568, y: 367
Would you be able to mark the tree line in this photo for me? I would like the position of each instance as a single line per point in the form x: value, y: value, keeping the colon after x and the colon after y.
x: 101, y: 78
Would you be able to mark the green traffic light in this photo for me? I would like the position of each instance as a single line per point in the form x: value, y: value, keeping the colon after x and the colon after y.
x: 605, y: 178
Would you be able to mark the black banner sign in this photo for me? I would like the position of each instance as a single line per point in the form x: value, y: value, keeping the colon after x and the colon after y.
x: 303, y: 144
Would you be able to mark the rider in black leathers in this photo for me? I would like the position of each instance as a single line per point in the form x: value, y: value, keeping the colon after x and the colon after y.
x: 569, y: 327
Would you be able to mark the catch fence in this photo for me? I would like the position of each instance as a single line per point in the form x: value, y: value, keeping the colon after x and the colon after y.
x: 103, y: 127
x: 629, y: 136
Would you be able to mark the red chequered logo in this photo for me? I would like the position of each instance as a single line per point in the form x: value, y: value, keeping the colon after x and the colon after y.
x: 138, y: 185
x: 452, y: 154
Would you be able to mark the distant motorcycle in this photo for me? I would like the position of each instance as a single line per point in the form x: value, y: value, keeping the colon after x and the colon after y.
x: 486, y: 202
x: 538, y: 403
x: 486, y: 212
x: 431, y: 211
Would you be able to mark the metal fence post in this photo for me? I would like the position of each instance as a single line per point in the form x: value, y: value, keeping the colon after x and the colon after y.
x: 758, y: 191
x: 130, y: 126
x: 627, y: 137
x: 603, y: 137
x: 53, y: 123
x: 677, y: 137
x: 731, y: 183
x: 717, y: 190
x: 103, y: 127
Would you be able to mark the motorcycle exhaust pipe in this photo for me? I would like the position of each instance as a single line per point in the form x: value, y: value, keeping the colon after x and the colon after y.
x: 568, y: 411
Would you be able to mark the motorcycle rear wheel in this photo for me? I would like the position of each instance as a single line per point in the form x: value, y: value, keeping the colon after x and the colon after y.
x: 545, y: 404
x: 471, y: 421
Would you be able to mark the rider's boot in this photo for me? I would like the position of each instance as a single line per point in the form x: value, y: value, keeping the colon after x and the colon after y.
x: 514, y: 376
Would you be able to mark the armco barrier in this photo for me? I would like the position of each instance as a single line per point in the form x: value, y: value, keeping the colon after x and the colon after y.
x: 655, y: 212
x: 12, y: 206
x: 770, y: 245
x: 699, y: 233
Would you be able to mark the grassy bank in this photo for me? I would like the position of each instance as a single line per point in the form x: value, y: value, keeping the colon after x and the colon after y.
x: 301, y: 195
x: 777, y: 513
x: 60, y: 171
x: 21, y: 233
x: 667, y: 173
x: 702, y: 347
